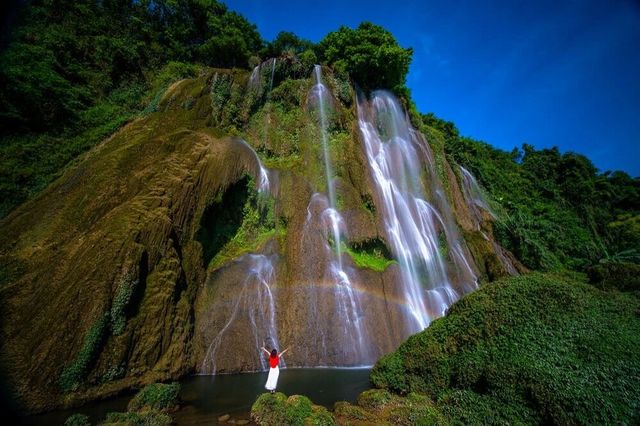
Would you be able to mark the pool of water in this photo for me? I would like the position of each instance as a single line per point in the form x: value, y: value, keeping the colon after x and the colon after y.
x: 205, y: 398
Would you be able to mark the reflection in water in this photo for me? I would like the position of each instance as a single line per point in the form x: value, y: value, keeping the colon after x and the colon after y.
x: 205, y: 398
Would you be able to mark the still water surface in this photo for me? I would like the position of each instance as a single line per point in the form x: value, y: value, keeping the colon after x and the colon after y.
x: 205, y: 398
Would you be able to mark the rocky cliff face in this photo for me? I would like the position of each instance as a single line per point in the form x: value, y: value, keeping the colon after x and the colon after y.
x: 169, y: 249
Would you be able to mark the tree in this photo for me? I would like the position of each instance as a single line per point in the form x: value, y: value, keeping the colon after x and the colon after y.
x: 369, y: 54
x: 287, y: 42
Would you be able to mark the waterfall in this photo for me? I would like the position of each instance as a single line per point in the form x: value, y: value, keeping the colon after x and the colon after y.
x: 474, y: 196
x: 253, y: 304
x: 477, y: 203
x: 262, y: 174
x: 323, y: 217
x: 422, y: 235
x: 273, y: 71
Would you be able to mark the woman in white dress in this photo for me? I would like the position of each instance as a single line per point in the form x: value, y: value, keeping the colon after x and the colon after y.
x: 274, y: 371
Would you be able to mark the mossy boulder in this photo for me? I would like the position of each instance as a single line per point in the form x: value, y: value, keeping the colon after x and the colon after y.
x: 142, y: 418
x: 277, y: 409
x: 156, y: 396
x: 540, y: 348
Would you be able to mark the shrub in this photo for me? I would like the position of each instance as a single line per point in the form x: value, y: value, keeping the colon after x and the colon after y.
x: 157, y: 396
x: 534, y: 348
x: 72, y: 376
x: 622, y: 276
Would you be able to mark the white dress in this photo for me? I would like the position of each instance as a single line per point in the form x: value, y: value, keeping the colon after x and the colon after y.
x: 272, y: 380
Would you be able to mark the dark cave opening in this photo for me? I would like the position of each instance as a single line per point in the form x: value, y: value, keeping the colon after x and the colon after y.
x: 222, y: 219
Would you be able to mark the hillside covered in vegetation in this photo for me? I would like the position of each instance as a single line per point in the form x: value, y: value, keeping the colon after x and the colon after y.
x: 156, y: 156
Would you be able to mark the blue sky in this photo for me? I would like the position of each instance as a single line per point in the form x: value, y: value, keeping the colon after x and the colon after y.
x: 548, y: 73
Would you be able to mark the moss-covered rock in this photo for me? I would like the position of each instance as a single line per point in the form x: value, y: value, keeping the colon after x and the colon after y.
x: 108, y: 255
x: 346, y: 412
x: 156, y: 396
x: 374, y: 398
x: 276, y: 409
x: 142, y: 418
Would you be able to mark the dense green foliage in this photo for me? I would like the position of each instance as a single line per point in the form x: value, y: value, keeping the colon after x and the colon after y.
x: 531, y: 349
x: 619, y: 275
x: 75, y: 71
x: 370, y: 55
x: 156, y: 396
x: 73, y: 375
x: 555, y: 210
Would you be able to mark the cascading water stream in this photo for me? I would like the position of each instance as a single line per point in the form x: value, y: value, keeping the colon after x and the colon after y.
x: 255, y: 304
x: 473, y: 194
x: 332, y: 223
x: 477, y: 204
x: 262, y: 172
x: 417, y: 232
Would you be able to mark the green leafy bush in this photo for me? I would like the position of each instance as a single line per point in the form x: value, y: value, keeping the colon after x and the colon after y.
x: 540, y: 348
x: 622, y: 276
x: 156, y: 396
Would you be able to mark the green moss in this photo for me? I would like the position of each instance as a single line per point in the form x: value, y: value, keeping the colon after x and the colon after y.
x: 257, y: 227
x: 145, y: 418
x: 275, y: 409
x: 371, y: 254
x: 77, y: 420
x: 535, y: 348
x: 73, y: 375
x: 268, y: 409
x: 156, y: 396
x: 416, y: 415
x: 374, y: 398
x: 119, y: 305
x: 320, y: 416
x: 297, y: 408
x: 351, y: 412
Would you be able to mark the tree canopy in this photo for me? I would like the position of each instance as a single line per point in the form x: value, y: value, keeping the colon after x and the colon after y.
x: 370, y: 54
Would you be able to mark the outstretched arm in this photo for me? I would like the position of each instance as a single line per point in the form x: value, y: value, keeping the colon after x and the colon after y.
x: 265, y: 350
x: 282, y: 353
